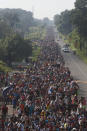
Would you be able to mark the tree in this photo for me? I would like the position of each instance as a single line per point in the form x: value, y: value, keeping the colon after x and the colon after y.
x: 5, y: 30
x: 18, y: 49
x: 79, y: 19
x: 12, y: 18
x: 19, y: 20
x: 80, y: 4
x: 63, y: 22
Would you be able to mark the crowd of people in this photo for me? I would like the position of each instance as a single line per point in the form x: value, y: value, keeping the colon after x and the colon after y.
x: 45, y: 97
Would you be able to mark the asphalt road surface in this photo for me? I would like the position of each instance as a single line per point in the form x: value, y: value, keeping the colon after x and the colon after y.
x: 78, y: 69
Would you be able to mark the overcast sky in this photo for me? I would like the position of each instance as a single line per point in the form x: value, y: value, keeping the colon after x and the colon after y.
x: 41, y: 8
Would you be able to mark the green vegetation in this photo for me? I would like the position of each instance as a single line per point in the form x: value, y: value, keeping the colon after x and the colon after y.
x: 82, y: 56
x: 63, y: 22
x: 36, y: 33
x: 35, y: 53
x: 4, y: 67
x: 18, y: 30
x: 17, y: 19
x: 73, y: 25
x: 14, y: 48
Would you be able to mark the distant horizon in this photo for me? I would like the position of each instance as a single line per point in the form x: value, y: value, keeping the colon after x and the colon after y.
x: 40, y: 9
x: 32, y: 12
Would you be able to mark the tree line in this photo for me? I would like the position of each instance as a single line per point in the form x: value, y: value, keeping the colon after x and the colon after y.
x: 73, y: 23
x: 14, y: 25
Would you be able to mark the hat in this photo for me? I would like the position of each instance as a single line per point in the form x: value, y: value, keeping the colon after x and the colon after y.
x: 74, y: 129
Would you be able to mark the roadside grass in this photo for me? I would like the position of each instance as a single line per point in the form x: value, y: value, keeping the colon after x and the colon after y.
x: 36, y: 33
x: 72, y: 47
x: 82, y: 55
x: 35, y: 53
x: 79, y: 53
x: 4, y: 67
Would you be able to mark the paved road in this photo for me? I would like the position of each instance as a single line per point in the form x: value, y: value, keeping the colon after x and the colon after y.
x: 78, y: 70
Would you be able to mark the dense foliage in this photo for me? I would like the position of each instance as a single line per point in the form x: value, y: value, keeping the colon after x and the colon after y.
x: 63, y: 22
x: 74, y: 22
x: 14, y: 48
x: 14, y: 23
x: 17, y: 29
x: 17, y: 19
